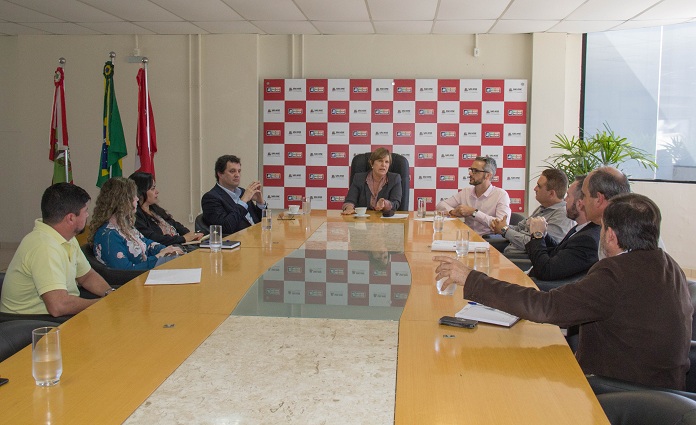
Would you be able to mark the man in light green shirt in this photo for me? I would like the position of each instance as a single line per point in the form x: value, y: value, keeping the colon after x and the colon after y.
x: 43, y: 275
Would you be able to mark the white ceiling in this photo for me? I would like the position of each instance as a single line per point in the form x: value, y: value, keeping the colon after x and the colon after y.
x: 22, y: 17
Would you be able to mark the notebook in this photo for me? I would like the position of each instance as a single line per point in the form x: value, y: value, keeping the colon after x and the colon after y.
x: 225, y: 244
x: 482, y: 313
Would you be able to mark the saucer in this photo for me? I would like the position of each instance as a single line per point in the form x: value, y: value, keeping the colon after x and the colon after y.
x: 361, y: 215
x: 288, y: 212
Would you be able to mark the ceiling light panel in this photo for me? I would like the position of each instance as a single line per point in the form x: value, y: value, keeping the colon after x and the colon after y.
x: 402, y: 10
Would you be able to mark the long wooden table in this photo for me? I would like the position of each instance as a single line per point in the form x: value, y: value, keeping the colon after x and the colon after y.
x: 118, y: 351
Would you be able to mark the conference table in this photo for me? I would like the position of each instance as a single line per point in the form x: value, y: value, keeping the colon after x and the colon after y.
x: 253, y: 343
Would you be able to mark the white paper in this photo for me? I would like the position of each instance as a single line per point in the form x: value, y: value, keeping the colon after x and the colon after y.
x: 398, y: 216
x: 173, y: 276
x: 486, y: 314
x: 432, y: 218
x: 442, y: 245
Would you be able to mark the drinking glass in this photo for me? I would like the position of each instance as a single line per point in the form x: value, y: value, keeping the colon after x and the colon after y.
x: 447, y: 291
x: 438, y: 221
x: 306, y: 205
x: 215, y: 238
x: 421, y: 208
x: 266, y: 219
x: 481, y: 259
x: 461, y: 244
x: 46, y: 357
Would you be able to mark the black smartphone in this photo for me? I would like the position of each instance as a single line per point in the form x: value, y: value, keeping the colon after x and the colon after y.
x: 4, y: 381
x: 458, y: 322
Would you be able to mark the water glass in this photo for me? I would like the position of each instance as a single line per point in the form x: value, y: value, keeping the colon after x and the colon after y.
x: 306, y: 205
x: 46, y: 357
x: 481, y: 259
x: 420, y: 212
x: 447, y: 291
x: 266, y: 219
x: 438, y: 221
x: 461, y: 244
x: 215, y: 238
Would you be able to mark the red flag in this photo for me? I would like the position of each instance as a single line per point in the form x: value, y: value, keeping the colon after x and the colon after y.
x: 58, y: 141
x: 146, y: 139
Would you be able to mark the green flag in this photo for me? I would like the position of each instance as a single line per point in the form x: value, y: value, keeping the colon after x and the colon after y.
x: 114, y: 144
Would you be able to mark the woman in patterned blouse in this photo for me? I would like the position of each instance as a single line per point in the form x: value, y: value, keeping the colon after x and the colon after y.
x: 153, y: 221
x: 116, y: 242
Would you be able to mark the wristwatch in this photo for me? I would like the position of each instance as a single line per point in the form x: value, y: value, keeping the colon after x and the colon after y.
x: 504, y: 230
x: 473, y: 214
x: 537, y: 235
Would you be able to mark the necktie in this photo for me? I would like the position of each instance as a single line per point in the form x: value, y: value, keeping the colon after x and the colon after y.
x: 571, y: 232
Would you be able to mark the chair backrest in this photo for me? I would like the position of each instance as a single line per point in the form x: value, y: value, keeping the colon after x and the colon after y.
x: 113, y: 277
x: 16, y: 335
x: 516, y: 218
x: 399, y: 165
x: 201, y: 226
x: 648, y: 408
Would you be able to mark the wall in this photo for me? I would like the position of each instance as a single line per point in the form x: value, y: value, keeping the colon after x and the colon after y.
x: 205, y: 94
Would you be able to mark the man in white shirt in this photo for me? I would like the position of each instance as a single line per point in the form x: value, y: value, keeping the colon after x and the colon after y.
x: 481, y: 202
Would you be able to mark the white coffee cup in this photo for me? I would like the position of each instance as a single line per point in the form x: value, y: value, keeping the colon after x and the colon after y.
x: 361, y: 210
x: 294, y: 209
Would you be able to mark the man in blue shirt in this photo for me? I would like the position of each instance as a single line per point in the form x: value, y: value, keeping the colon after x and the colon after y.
x: 229, y: 205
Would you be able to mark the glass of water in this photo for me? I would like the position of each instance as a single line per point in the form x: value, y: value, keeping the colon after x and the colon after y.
x: 438, y: 221
x: 421, y: 208
x: 461, y: 244
x: 215, y: 238
x: 47, y: 359
x: 266, y: 219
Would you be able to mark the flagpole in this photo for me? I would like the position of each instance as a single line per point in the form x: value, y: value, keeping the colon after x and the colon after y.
x: 61, y: 63
x: 145, y: 61
x: 112, y: 55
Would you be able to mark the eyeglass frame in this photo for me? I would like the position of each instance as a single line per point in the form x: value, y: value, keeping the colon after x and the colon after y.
x: 473, y: 170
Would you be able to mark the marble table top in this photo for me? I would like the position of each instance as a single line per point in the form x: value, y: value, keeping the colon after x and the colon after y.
x: 266, y: 370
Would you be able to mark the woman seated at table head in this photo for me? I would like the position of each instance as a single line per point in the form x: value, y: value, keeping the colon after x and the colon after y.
x: 153, y: 221
x: 377, y: 189
x: 116, y: 242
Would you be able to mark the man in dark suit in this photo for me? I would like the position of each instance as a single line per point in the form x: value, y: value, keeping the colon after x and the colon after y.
x: 229, y: 205
x: 576, y: 253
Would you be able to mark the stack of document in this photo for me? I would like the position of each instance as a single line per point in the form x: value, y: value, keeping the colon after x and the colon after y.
x: 450, y: 246
x: 482, y: 313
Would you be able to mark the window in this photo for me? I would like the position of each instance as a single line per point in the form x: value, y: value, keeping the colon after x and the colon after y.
x: 642, y: 83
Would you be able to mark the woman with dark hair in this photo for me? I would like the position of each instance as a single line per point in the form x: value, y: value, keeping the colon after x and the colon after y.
x: 116, y: 242
x: 153, y: 221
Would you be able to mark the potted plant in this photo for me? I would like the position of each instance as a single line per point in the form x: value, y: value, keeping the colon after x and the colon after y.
x: 582, y: 155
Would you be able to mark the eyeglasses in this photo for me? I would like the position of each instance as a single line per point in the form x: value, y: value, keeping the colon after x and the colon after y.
x: 476, y: 171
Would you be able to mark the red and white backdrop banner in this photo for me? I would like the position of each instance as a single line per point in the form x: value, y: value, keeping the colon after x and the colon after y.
x: 313, y: 127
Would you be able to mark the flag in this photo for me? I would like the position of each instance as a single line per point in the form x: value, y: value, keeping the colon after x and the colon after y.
x: 114, y: 144
x: 58, y: 149
x: 146, y: 139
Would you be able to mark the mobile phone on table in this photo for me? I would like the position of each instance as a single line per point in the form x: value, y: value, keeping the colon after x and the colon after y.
x: 4, y: 381
x: 458, y: 322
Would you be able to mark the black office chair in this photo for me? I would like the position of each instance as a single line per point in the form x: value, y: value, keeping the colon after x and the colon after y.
x: 16, y: 335
x: 201, y: 226
x: 399, y: 165
x: 113, y: 277
x: 648, y: 408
